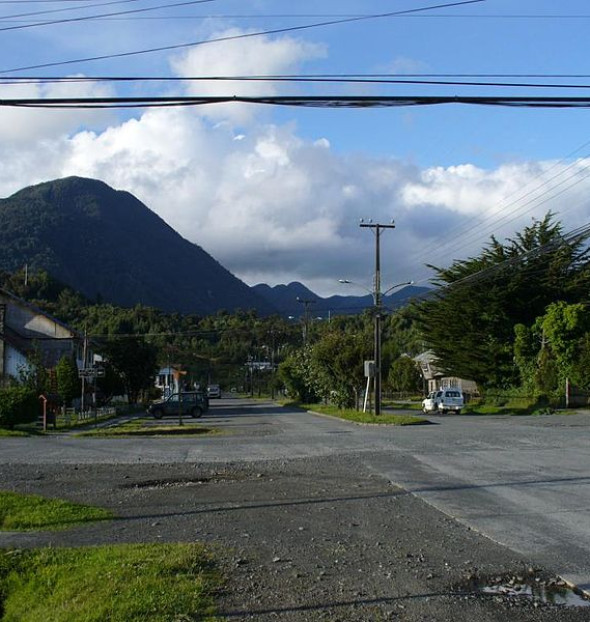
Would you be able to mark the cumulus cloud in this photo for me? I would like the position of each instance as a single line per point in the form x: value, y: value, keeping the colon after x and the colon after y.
x: 256, y: 56
x: 27, y: 125
x: 273, y: 206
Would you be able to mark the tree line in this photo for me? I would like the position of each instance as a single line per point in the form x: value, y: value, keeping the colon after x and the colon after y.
x: 515, y: 316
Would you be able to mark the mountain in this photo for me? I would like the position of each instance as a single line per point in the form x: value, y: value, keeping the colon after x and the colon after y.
x: 292, y: 300
x: 111, y: 247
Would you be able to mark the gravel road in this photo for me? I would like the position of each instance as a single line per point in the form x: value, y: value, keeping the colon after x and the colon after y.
x: 313, y: 538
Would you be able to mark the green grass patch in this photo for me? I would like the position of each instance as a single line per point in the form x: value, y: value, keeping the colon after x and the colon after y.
x: 147, y: 427
x: 361, y: 417
x: 18, y: 432
x: 19, y: 512
x: 118, y: 583
x: 403, y: 405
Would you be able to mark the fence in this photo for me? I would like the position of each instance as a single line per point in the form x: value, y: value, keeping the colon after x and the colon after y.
x: 70, y: 417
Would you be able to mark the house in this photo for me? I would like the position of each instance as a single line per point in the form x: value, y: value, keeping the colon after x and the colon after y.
x: 435, y: 378
x: 25, y: 331
x: 167, y: 380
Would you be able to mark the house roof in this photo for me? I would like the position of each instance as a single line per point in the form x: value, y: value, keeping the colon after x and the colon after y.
x: 23, y: 303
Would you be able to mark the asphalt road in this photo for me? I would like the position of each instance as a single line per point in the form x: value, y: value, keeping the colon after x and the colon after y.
x: 522, y: 481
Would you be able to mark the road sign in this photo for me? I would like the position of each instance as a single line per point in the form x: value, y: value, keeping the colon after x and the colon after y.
x: 91, y: 372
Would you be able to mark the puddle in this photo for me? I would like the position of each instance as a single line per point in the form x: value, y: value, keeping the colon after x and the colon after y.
x: 533, y: 588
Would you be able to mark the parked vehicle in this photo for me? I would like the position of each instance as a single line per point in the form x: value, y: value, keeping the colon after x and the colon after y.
x: 214, y: 391
x: 443, y: 401
x: 193, y: 403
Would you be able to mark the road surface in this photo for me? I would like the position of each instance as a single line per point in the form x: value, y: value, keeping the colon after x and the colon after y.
x: 522, y: 481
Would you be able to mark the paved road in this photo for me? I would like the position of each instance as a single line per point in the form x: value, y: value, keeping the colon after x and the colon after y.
x: 522, y: 481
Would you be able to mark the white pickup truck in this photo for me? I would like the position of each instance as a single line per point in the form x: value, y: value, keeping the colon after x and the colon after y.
x: 444, y: 401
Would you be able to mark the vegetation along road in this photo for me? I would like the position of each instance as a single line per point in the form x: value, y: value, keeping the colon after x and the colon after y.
x: 310, y: 516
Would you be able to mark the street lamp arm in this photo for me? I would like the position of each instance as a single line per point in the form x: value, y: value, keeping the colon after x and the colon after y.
x: 347, y: 282
x: 397, y: 285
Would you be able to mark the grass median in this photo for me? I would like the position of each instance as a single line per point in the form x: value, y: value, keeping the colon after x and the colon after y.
x: 358, y: 416
x: 148, y: 427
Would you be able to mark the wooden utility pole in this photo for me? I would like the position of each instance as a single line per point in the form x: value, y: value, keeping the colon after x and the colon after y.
x: 377, y: 228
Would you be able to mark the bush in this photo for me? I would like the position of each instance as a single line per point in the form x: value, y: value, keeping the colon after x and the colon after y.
x: 18, y: 405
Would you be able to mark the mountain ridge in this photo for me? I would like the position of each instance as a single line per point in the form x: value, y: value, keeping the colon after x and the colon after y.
x: 107, y: 244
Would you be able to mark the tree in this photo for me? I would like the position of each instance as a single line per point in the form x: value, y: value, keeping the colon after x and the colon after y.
x: 553, y: 348
x: 469, y: 321
x: 297, y: 374
x: 338, y: 359
x: 404, y: 375
x: 68, y: 383
x: 136, y: 362
x: 34, y: 374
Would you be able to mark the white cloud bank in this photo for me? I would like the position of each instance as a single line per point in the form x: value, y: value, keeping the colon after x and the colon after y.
x: 271, y: 206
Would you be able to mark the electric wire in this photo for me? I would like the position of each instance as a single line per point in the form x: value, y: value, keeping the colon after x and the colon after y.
x: 84, y: 18
x: 322, y: 79
x: 65, y: 10
x: 312, y: 101
x: 258, y: 33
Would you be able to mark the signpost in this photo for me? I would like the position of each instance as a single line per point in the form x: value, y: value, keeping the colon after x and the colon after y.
x: 91, y: 372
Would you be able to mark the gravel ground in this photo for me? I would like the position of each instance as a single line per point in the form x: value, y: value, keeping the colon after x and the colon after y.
x: 312, y: 539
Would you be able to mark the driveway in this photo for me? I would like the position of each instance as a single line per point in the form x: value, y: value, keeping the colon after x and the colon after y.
x: 523, y: 482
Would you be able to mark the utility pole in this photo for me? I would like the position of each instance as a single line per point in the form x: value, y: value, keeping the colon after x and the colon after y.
x: 305, y: 304
x: 377, y: 228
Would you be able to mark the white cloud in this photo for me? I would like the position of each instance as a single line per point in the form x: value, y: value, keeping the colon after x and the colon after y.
x: 28, y: 125
x: 256, y: 56
x: 273, y: 206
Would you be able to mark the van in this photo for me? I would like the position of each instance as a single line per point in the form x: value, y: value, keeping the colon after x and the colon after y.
x: 444, y: 401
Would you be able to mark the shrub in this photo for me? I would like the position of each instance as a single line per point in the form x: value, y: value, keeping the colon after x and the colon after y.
x: 18, y: 405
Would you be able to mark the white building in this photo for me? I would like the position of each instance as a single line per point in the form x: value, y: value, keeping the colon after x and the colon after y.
x: 25, y: 330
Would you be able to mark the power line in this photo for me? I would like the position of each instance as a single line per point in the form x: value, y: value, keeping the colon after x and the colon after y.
x: 93, y: 17
x: 311, y: 101
x: 294, y: 78
x: 64, y: 10
x: 283, y: 30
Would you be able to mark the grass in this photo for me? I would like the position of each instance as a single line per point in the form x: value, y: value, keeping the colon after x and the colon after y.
x: 145, y: 427
x: 361, y: 417
x: 18, y: 432
x: 119, y: 583
x: 403, y: 405
x: 19, y: 512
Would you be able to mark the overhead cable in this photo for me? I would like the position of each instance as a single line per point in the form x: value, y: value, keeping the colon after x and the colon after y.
x: 180, y: 46
x: 311, y: 101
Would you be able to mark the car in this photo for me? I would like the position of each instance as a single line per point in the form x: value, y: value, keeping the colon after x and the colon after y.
x: 443, y: 401
x: 193, y: 403
x: 214, y: 391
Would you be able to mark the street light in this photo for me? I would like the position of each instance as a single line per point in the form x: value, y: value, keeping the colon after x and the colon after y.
x: 377, y: 297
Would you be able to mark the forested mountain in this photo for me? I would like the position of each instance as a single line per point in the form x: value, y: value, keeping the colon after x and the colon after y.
x: 109, y: 246
x: 284, y: 298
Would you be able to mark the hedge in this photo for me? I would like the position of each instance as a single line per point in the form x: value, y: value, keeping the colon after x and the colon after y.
x: 18, y: 405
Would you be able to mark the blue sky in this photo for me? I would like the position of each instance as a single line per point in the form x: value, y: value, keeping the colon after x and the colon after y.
x: 275, y: 193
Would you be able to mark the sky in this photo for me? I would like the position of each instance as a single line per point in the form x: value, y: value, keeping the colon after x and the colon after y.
x: 276, y: 193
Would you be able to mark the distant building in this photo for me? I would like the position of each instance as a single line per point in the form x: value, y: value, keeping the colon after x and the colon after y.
x: 26, y: 330
x: 435, y: 378
x: 167, y: 380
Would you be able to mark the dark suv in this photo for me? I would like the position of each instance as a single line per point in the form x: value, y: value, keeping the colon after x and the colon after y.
x: 193, y: 403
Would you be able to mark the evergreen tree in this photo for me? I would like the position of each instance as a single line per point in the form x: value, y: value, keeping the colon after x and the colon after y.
x: 68, y: 382
x: 469, y: 321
